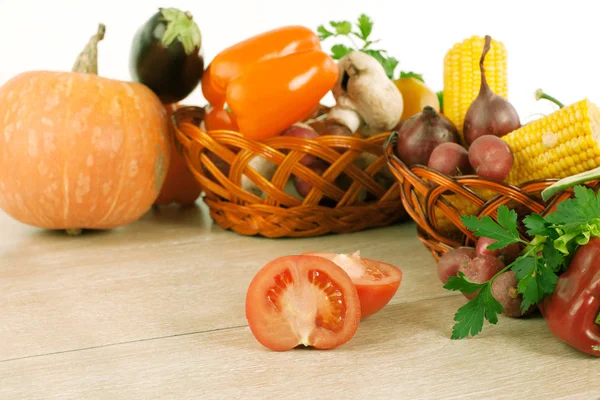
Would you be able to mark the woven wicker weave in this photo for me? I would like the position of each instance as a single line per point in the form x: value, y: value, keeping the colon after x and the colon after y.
x: 363, y: 203
x: 430, y: 198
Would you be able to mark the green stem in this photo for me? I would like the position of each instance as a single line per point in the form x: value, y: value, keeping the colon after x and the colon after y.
x: 570, y: 181
x: 539, y: 94
x: 87, y: 61
x: 532, y: 250
x: 598, y: 319
x: 181, y: 25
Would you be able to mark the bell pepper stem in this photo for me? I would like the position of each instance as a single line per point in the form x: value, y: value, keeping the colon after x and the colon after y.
x: 598, y: 319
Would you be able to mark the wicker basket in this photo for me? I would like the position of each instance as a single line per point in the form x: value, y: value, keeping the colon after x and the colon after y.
x: 431, y: 198
x: 362, y: 203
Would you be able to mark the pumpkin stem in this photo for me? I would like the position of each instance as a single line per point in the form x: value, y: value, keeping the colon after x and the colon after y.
x: 74, y: 231
x: 87, y: 61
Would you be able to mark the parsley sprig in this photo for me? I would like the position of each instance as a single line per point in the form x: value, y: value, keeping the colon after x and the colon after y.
x: 555, y: 238
x: 360, y: 30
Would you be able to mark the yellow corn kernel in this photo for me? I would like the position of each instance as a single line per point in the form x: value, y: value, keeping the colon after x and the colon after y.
x: 462, y: 76
x: 561, y: 144
x: 463, y: 205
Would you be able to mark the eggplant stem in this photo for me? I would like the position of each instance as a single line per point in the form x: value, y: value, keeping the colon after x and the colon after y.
x: 539, y: 94
x: 181, y: 26
x: 87, y: 61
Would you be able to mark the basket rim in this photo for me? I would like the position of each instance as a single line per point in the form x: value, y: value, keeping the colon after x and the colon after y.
x: 236, y: 151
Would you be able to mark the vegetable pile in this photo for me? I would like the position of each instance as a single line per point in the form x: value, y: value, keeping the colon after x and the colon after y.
x: 430, y: 139
x: 81, y: 151
x: 555, y: 268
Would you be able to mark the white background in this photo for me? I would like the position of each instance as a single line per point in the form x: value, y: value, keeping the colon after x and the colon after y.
x: 554, y: 45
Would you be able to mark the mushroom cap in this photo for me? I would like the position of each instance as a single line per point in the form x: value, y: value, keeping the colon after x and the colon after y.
x: 365, y: 88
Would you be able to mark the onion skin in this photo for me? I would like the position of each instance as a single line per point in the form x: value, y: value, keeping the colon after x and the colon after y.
x: 489, y: 114
x: 421, y: 134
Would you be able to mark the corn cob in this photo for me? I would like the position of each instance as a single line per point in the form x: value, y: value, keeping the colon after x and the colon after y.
x: 464, y: 207
x: 462, y: 76
x: 561, y: 144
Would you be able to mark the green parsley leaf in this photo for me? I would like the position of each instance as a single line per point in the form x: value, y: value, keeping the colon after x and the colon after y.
x: 470, y: 317
x: 390, y: 64
x: 463, y: 284
x: 536, y: 225
x: 341, y: 27
x: 487, y: 227
x: 339, y: 50
x: 525, y: 274
x: 576, y: 211
x: 365, y: 25
x: 536, y: 280
x: 376, y: 54
x: 407, y: 75
x: 508, y: 220
x: 552, y: 257
x: 323, y: 32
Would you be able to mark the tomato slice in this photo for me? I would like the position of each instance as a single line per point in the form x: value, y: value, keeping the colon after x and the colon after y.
x: 302, y: 300
x: 376, y: 282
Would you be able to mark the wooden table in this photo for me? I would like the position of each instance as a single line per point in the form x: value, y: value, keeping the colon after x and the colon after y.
x: 155, y: 310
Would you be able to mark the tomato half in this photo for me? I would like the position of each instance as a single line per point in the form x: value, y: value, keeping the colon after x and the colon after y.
x: 302, y: 300
x: 376, y: 282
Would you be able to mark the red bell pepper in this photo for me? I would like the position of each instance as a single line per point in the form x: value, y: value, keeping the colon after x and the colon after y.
x: 573, y: 311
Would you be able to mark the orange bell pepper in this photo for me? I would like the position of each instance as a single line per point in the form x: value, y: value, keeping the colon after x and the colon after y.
x: 235, y: 60
x: 278, y: 92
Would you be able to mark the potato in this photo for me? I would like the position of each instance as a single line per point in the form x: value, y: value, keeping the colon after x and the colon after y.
x: 449, y: 264
x: 450, y: 159
x: 507, y: 255
x: 491, y: 158
x: 504, y: 289
x: 481, y: 269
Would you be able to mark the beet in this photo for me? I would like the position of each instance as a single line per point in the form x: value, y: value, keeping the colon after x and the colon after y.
x: 489, y: 114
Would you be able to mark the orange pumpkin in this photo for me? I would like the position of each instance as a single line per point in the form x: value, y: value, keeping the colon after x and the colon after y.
x: 78, y: 151
x: 180, y: 186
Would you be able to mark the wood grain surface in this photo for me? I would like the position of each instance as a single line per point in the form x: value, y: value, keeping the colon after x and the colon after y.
x: 155, y: 310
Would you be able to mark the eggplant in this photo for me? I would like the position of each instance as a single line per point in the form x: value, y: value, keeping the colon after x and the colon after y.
x: 167, y: 56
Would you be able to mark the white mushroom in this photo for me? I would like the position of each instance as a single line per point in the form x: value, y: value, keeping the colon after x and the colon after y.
x: 263, y: 167
x: 367, y: 101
